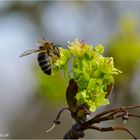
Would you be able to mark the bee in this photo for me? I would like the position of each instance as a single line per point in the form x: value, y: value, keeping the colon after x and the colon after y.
x: 48, y: 53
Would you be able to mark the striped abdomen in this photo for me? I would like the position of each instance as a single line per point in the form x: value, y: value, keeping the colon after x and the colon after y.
x: 44, y: 63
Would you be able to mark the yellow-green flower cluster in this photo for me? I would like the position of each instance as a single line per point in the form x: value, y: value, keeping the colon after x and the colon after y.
x: 92, y: 72
x: 64, y: 57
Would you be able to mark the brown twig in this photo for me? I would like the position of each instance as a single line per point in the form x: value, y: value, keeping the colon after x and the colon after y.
x: 132, y: 107
x: 56, y: 121
x: 77, y: 130
x: 102, y: 129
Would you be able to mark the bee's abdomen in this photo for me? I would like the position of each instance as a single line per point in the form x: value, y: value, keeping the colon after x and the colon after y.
x: 44, y: 63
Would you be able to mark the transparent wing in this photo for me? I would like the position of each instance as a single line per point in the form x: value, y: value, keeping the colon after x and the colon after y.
x: 29, y: 52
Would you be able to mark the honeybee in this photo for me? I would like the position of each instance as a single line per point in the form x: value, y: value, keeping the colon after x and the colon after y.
x: 48, y: 53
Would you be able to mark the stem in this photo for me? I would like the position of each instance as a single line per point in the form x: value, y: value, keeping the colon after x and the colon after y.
x: 66, y: 72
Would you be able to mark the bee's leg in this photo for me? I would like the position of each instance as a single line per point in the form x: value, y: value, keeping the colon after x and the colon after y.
x: 56, y: 50
x: 49, y: 52
x: 50, y: 55
x: 57, y: 45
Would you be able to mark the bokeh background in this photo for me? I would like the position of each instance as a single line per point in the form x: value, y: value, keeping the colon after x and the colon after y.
x: 30, y: 100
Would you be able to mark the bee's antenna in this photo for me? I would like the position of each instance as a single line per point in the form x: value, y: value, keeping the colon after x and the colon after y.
x: 57, y: 45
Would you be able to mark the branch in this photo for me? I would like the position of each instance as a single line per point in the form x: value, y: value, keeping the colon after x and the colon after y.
x: 103, y: 129
x: 77, y: 130
x: 56, y: 121
x: 112, y: 114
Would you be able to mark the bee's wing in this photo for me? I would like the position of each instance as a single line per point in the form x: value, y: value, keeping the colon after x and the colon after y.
x: 29, y: 52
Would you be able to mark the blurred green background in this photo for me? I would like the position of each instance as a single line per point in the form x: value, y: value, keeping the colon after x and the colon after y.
x: 30, y: 100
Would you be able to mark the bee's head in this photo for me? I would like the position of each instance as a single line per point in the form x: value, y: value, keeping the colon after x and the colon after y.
x: 41, y: 47
x: 48, y: 43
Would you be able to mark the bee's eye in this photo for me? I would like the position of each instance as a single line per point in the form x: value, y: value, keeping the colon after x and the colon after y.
x: 46, y: 43
x: 41, y: 47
